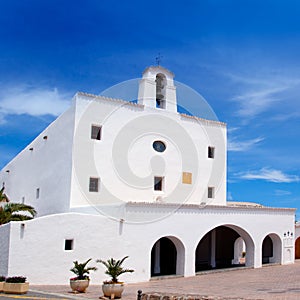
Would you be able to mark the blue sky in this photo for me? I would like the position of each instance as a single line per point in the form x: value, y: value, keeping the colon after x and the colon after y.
x: 241, y: 56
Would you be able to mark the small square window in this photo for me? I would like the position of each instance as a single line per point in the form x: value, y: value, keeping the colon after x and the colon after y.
x: 211, y: 192
x: 94, y: 184
x: 69, y: 245
x: 37, y: 193
x: 96, y: 132
x: 211, y: 152
x: 158, y: 183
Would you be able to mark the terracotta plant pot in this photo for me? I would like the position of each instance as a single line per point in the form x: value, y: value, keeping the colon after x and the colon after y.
x: 79, y: 285
x: 242, y: 260
x: 115, y: 289
x: 15, y: 288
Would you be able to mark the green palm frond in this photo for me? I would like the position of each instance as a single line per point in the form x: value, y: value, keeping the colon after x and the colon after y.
x: 3, y: 196
x: 114, y: 268
x: 11, y: 212
x: 16, y: 207
x: 20, y: 217
x: 81, y: 270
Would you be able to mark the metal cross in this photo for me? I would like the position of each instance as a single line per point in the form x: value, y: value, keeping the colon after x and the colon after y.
x: 158, y: 59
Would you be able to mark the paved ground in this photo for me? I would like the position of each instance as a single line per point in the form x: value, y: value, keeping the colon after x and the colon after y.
x: 269, y: 282
x: 32, y: 295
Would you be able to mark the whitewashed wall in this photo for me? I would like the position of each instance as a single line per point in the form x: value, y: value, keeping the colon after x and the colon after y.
x: 126, y: 163
x: 47, y: 167
x: 124, y: 160
x: 37, y: 249
x: 4, y: 248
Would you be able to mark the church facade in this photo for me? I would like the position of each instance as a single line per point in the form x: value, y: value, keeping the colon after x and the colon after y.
x: 111, y: 178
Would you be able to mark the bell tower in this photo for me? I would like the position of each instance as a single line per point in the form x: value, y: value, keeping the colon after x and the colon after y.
x: 157, y: 90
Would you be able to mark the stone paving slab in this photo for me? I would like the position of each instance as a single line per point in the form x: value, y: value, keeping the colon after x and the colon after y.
x: 270, y: 282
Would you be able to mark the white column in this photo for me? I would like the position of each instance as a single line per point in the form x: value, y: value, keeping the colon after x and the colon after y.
x: 213, y: 249
x: 157, y: 258
x: 190, y: 261
x: 257, y: 256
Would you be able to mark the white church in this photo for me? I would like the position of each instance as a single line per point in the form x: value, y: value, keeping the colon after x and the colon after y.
x: 111, y: 178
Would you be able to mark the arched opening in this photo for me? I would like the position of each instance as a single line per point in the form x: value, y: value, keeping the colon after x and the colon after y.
x: 167, y: 257
x: 267, y: 250
x: 271, y: 249
x: 239, y: 252
x: 224, y: 247
x: 297, y: 248
x: 160, y: 91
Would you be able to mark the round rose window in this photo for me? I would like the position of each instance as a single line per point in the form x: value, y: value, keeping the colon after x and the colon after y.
x: 159, y: 146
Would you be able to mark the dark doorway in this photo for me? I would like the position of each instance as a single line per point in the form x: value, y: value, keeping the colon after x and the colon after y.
x: 225, y: 238
x: 203, y: 253
x: 216, y: 249
x: 297, y: 248
x: 163, y: 258
x: 267, y: 250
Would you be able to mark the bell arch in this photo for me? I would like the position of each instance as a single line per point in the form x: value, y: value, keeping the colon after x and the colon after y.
x: 157, y: 89
x: 160, y: 81
x: 167, y: 257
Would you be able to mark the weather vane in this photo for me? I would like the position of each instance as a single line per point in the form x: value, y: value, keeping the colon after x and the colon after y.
x: 158, y: 59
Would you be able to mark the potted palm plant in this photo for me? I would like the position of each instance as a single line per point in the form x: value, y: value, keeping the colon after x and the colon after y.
x: 114, y: 269
x: 81, y: 282
x: 15, y: 285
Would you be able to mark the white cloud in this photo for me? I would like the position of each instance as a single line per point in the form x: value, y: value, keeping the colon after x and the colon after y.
x: 232, y: 129
x: 256, y: 102
x: 233, y: 145
x: 261, y: 92
x: 32, y: 101
x: 282, y: 193
x: 286, y: 116
x: 270, y: 175
x: 263, y: 80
